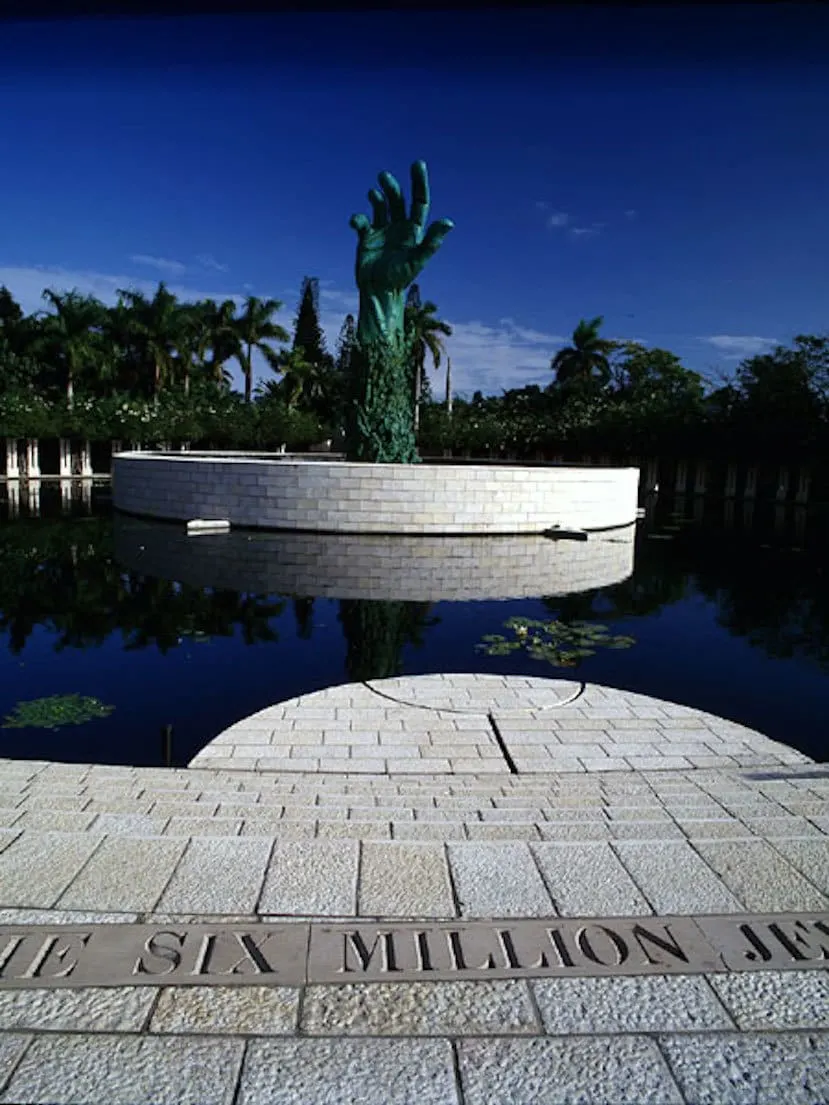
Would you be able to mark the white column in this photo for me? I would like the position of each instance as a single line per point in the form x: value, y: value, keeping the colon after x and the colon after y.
x: 65, y: 458
x: 782, y: 486
x: 86, y: 495
x: 731, y: 481
x: 65, y: 495
x: 803, y: 482
x: 12, y: 459
x: 13, y: 495
x: 32, y: 459
x: 750, y: 489
x: 86, y: 461
x: 33, y: 497
x: 700, y: 477
x: 135, y: 446
x: 681, y: 481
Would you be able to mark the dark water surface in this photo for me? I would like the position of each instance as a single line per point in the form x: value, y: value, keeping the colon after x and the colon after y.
x: 729, y: 607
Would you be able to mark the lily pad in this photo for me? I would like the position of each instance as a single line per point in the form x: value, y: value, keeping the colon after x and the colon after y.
x: 55, y: 711
x: 562, y: 644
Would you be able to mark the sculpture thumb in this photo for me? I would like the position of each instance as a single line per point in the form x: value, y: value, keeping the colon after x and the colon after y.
x: 432, y: 239
x: 361, y: 224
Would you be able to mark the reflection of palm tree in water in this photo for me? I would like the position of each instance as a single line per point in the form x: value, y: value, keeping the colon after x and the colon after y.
x: 376, y: 633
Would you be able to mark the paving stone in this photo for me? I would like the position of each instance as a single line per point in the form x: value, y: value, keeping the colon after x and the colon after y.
x: 125, y: 1070
x: 63, y: 917
x: 574, y: 831
x: 809, y: 856
x: 60, y: 821
x: 404, y: 880
x: 87, y: 1009
x: 645, y: 830
x: 715, y: 829
x: 217, y: 875
x: 129, y: 824
x: 373, y: 1072
x: 653, y: 1003
x: 775, y: 999
x: 498, y: 880
x: 623, y: 1070
x: 313, y: 878
x: 589, y: 880
x: 354, y: 830
x: 419, y: 1009
x: 203, y: 826
x: 37, y: 867
x: 12, y: 1047
x: 760, y: 877
x: 511, y: 830
x: 428, y: 830
x: 233, y: 1010
x: 675, y: 878
x: 751, y: 1068
x: 124, y: 874
x: 281, y: 830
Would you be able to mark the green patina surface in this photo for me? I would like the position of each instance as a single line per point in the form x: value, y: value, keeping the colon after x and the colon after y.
x: 392, y: 249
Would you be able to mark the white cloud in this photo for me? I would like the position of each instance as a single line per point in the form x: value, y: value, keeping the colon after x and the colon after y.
x: 163, y: 264
x: 208, y: 262
x: 558, y: 219
x: 586, y: 231
x: 736, y: 346
x: 631, y: 214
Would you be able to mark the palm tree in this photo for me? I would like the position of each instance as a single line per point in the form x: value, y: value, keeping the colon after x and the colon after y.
x: 157, y: 328
x: 587, y: 359
x: 72, y: 334
x: 302, y: 381
x: 255, y: 327
x: 426, y: 333
x: 224, y: 340
x: 194, y: 340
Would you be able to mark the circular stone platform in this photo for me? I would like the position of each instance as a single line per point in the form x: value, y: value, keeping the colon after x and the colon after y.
x: 272, y: 491
x: 471, y: 724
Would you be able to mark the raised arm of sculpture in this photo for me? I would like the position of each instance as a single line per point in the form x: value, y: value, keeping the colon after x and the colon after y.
x: 392, y: 250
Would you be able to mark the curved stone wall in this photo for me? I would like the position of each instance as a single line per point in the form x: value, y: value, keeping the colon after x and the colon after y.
x: 332, y: 496
x: 380, y: 568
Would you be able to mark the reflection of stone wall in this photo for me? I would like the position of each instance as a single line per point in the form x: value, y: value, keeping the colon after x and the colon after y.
x: 333, y: 496
x: 415, y: 569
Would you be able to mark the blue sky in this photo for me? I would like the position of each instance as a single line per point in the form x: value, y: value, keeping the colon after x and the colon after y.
x: 665, y: 168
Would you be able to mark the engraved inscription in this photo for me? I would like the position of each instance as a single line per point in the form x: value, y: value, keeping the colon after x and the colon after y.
x: 292, y: 954
x: 769, y: 941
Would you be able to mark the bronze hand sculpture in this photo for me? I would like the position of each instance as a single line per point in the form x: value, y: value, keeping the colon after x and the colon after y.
x: 392, y: 250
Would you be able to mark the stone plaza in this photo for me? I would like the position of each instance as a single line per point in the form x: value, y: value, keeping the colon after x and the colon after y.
x: 441, y: 889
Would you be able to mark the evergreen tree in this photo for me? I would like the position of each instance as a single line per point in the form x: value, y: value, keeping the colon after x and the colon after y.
x: 308, y: 333
x: 345, y: 345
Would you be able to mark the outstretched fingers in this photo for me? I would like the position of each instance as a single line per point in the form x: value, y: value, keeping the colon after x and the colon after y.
x: 420, y: 193
x: 394, y: 196
x: 378, y: 206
